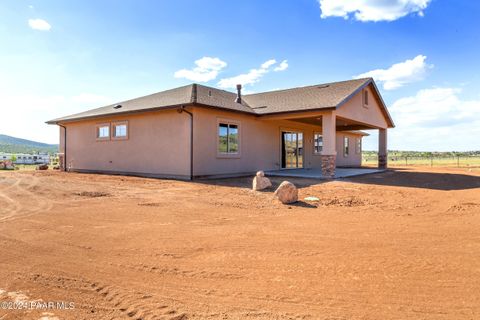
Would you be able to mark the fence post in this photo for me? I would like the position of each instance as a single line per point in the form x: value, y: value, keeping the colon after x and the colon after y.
x: 431, y: 161
x: 458, y: 161
x: 406, y: 160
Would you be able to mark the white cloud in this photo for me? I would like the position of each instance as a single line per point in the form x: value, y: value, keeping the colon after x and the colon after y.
x: 39, y: 24
x: 372, y: 10
x: 399, y: 74
x: 207, y: 68
x: 282, y: 66
x: 267, y: 64
x: 252, y: 76
x: 436, y: 119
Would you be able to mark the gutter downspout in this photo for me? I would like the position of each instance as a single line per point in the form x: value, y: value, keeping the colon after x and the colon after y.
x: 182, y: 109
x: 64, y: 147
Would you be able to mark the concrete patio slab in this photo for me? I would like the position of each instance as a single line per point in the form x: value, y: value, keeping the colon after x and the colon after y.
x: 317, y: 173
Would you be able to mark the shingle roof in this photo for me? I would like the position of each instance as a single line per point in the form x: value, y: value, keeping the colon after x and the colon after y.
x: 322, y: 96
x: 162, y: 99
x: 327, y: 95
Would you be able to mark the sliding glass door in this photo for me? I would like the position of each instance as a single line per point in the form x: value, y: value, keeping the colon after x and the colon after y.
x: 292, y: 150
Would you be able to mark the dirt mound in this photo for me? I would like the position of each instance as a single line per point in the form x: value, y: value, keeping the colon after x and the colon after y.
x: 92, y: 194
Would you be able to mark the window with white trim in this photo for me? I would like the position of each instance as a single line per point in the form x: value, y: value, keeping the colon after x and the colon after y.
x: 317, y: 143
x: 103, y: 132
x: 120, y: 130
x: 228, y: 138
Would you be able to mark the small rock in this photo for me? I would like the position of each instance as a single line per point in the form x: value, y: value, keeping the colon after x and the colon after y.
x: 260, y: 182
x: 287, y: 192
x: 42, y: 167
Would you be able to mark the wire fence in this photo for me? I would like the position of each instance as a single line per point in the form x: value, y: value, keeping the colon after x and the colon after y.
x: 432, y: 161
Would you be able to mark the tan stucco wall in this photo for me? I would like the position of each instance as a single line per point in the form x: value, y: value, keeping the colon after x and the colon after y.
x: 353, y: 159
x: 260, y: 144
x: 370, y: 115
x: 157, y: 144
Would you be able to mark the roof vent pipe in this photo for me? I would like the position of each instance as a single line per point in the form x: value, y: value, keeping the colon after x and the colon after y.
x: 239, y: 94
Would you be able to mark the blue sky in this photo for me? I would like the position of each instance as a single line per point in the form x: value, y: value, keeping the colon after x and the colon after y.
x: 62, y: 57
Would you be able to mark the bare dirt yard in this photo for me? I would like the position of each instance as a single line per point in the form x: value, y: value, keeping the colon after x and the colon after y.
x: 403, y: 244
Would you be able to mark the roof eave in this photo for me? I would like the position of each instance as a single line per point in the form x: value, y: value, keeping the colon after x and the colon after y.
x: 67, y: 120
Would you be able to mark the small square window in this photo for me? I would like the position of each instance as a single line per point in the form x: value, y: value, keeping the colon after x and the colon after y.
x: 121, y: 130
x: 103, y: 132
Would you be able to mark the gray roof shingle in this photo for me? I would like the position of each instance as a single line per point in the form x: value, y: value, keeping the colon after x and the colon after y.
x: 322, y: 96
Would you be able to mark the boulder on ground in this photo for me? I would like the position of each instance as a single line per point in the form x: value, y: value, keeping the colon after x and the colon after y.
x: 260, y: 182
x: 287, y: 192
x: 56, y: 167
x: 42, y: 167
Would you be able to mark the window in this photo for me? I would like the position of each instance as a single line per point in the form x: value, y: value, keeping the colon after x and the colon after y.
x: 365, y: 98
x: 358, y: 148
x: 120, y: 130
x: 345, y: 146
x: 317, y: 143
x: 103, y: 132
x: 228, y: 139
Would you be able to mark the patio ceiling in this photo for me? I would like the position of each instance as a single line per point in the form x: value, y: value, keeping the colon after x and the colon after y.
x: 341, y: 123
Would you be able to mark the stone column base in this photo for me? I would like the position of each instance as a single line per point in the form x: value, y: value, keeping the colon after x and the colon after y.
x: 328, y: 165
x: 382, y: 161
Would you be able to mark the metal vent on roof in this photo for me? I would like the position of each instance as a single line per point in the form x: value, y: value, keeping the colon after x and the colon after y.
x: 118, y: 106
x: 323, y: 86
x: 209, y: 93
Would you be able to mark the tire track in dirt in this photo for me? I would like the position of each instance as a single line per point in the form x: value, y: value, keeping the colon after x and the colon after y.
x: 167, y: 270
x: 17, y: 209
x: 128, y: 303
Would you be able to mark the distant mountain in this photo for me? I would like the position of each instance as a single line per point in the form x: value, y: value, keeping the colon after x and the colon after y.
x: 10, y: 144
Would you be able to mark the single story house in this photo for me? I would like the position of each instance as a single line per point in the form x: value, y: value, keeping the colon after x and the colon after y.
x: 197, y: 131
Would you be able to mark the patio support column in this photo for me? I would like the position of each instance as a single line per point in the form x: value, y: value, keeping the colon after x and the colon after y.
x: 329, y: 151
x: 382, y: 148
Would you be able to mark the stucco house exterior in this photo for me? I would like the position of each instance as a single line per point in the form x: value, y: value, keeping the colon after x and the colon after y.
x: 197, y: 131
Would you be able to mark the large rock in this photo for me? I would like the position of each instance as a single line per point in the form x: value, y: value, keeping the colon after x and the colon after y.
x: 260, y: 182
x: 287, y: 192
x: 42, y: 167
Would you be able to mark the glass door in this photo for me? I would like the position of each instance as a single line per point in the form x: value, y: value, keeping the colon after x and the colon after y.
x: 292, y: 150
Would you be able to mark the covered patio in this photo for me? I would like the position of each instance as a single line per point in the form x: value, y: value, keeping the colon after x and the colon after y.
x: 362, y: 109
x: 316, y: 173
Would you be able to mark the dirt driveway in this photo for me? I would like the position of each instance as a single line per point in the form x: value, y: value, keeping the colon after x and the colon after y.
x: 396, y: 245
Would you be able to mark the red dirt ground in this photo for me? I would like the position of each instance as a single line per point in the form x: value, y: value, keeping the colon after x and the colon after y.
x: 403, y: 244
